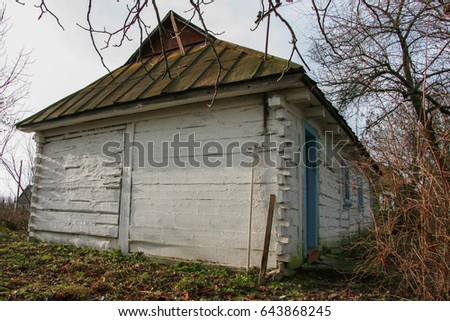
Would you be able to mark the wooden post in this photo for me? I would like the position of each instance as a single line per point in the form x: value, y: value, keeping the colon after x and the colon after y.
x: 266, y: 49
x: 125, y: 193
x: 177, y: 34
x: 265, y: 254
x: 18, y: 186
x: 250, y: 218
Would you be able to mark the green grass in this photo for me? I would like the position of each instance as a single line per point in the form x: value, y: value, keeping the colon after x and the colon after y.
x: 44, y: 271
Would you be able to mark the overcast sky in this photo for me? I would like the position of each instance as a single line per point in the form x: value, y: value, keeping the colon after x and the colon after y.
x: 65, y: 61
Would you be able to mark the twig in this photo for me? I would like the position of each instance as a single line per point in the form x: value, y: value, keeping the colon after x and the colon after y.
x: 44, y: 9
x: 160, y: 27
x: 91, y: 33
x: 293, y: 40
x: 196, y: 7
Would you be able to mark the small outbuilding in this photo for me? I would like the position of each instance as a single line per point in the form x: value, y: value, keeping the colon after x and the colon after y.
x: 143, y: 160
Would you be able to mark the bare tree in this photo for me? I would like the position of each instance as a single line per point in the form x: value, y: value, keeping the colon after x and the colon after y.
x: 390, y: 61
x: 389, y: 53
x: 13, y: 88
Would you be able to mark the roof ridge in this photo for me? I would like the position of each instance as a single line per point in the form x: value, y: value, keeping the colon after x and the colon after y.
x: 259, y: 54
x: 167, y: 19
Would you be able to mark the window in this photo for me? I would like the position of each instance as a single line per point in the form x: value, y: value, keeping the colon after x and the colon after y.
x: 359, y: 181
x: 347, y: 189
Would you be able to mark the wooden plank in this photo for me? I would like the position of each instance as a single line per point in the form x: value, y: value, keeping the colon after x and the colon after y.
x: 75, y: 216
x: 231, y: 257
x: 177, y: 34
x: 67, y: 196
x: 198, y: 218
x: 125, y: 198
x: 265, y: 254
x: 315, y: 112
x: 190, y: 193
x: 76, y: 240
x: 63, y: 204
x: 83, y: 129
x: 202, y: 175
x: 196, y: 237
x: 82, y: 228
x: 151, y: 113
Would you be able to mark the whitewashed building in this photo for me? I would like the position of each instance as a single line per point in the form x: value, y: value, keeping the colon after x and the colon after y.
x: 109, y: 174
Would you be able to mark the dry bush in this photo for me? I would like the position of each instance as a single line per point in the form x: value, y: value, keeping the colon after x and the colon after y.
x: 409, y: 243
x: 11, y: 218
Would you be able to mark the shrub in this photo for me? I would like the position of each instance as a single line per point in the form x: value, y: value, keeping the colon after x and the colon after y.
x: 410, y: 240
x: 15, y: 219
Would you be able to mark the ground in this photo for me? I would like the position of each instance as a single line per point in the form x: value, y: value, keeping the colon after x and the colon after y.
x: 43, y: 271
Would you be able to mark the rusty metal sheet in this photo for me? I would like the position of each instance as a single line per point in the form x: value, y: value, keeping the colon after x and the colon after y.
x: 195, y: 71
x: 143, y: 70
x: 115, y: 85
x: 272, y: 66
x: 157, y: 74
x: 45, y: 113
x: 245, y: 68
x: 85, y: 95
x: 228, y: 59
x: 177, y: 71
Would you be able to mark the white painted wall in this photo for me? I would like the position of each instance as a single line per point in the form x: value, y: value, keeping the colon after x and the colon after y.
x: 201, y: 213
x: 75, y: 198
x: 186, y: 213
x: 336, y: 220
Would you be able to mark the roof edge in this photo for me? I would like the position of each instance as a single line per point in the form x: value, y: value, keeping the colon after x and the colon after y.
x: 312, y: 85
x: 243, y: 88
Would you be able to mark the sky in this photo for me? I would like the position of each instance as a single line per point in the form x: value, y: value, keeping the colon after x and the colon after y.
x: 64, y: 61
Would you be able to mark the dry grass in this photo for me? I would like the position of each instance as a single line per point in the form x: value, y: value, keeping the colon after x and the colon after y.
x: 15, y: 219
x: 410, y: 241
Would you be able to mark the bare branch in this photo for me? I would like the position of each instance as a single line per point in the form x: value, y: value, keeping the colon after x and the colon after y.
x: 161, y: 33
x: 220, y: 68
x: 293, y: 40
x: 44, y: 9
x: 91, y: 33
x: 13, y: 88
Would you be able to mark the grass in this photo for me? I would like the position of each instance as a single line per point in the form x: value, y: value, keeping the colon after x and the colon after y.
x: 44, y: 271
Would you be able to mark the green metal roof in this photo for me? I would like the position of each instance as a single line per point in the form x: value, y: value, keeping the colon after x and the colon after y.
x: 146, y: 78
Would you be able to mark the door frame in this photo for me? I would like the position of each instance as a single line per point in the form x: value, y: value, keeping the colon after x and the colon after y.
x: 310, y: 195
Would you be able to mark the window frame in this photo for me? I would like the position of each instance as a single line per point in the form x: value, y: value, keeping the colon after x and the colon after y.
x: 360, y: 188
x: 347, y: 186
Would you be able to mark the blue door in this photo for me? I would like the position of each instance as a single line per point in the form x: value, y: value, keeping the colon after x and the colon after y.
x: 310, y: 189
